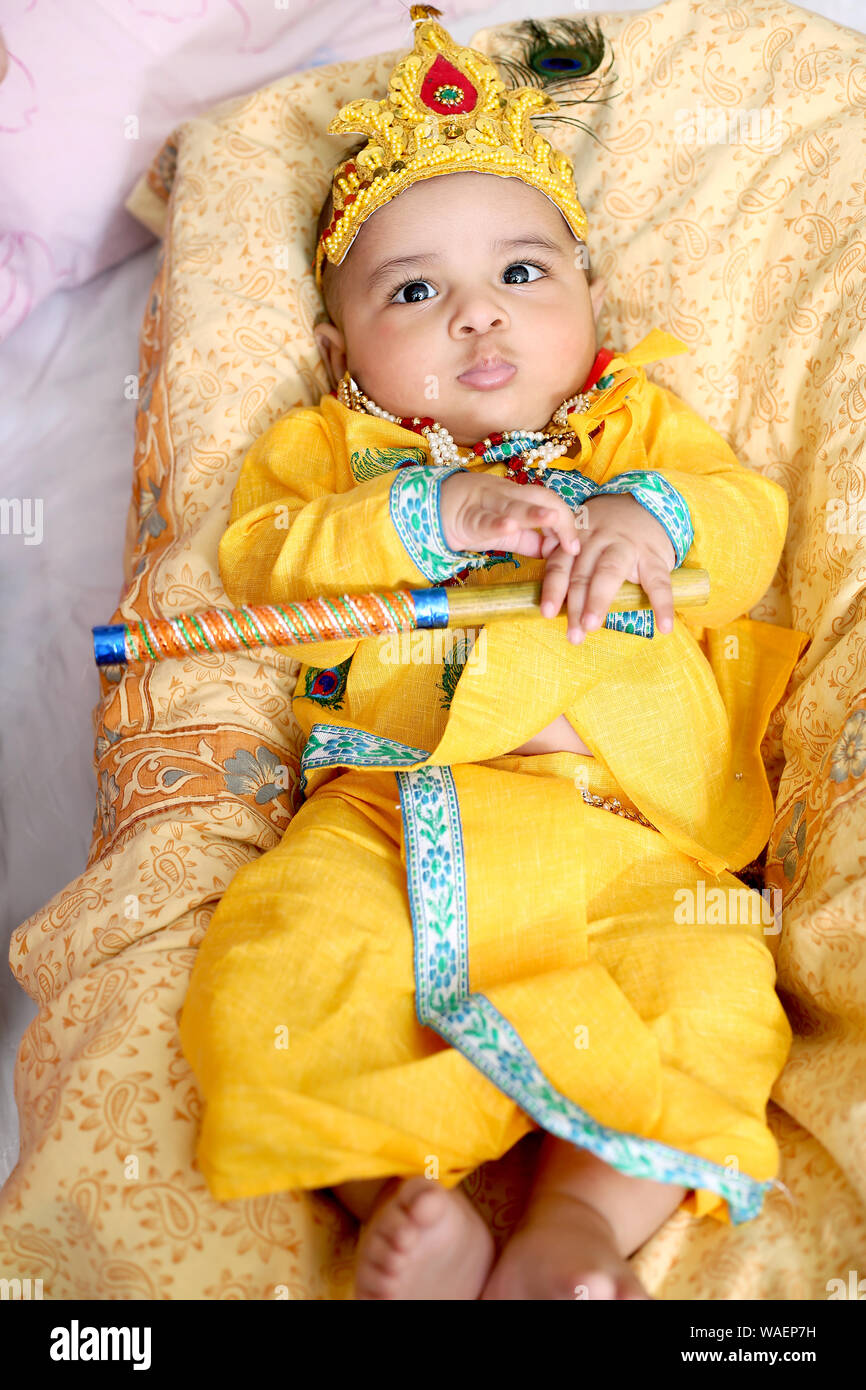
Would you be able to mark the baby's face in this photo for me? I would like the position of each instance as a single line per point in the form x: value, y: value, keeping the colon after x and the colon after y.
x: 409, y: 331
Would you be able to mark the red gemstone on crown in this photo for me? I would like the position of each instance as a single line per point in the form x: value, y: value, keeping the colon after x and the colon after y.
x: 442, y: 73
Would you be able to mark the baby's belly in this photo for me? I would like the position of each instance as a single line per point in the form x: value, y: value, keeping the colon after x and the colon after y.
x: 557, y: 737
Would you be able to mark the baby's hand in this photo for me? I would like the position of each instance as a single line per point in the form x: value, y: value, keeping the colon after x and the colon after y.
x: 481, y: 511
x: 621, y: 540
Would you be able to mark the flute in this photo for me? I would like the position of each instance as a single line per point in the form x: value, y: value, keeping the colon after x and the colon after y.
x: 349, y: 616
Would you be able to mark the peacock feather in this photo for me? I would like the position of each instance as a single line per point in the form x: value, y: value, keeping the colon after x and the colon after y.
x: 556, y: 53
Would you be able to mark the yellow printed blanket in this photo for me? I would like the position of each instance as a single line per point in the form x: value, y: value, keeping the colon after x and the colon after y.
x: 744, y: 247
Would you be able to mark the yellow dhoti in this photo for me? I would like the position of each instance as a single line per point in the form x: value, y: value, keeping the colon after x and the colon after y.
x: 433, y: 963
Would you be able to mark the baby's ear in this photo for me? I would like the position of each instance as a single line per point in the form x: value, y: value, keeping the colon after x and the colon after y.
x: 332, y: 350
x: 597, y: 290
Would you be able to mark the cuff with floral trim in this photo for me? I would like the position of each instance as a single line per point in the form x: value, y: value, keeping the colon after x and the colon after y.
x: 417, y: 518
x: 661, y: 500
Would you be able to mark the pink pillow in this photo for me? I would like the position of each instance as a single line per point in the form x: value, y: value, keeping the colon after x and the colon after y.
x: 91, y: 91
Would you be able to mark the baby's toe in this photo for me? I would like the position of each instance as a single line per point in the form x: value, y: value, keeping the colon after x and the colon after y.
x: 397, y: 1232
x: 424, y: 1202
x: 402, y: 1222
x: 380, y: 1255
x: 377, y: 1272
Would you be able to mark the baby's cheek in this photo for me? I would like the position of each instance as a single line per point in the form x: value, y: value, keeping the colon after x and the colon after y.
x: 399, y: 379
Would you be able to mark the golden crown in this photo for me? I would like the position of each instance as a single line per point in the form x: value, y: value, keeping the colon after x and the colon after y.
x: 447, y: 110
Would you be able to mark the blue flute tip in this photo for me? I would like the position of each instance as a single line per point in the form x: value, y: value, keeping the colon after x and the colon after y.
x: 431, y: 607
x: 109, y: 645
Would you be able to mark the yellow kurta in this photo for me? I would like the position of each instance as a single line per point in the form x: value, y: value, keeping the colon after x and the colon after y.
x: 449, y: 948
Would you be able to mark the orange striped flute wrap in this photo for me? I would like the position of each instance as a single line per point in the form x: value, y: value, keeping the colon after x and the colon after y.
x: 260, y: 625
x: 347, y: 616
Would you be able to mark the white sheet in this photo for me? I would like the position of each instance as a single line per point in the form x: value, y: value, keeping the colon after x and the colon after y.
x: 66, y: 441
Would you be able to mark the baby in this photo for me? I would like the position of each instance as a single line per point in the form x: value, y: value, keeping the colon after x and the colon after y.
x: 466, y: 299
x: 498, y: 904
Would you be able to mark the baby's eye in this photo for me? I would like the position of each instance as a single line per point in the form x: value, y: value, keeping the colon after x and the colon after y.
x: 523, y: 265
x: 412, y: 285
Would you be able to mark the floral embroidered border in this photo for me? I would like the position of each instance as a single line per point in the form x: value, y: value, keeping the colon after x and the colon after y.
x: 414, y: 505
x: 330, y: 745
x: 662, y: 500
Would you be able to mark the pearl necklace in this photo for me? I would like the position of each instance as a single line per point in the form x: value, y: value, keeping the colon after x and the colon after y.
x: 520, y: 450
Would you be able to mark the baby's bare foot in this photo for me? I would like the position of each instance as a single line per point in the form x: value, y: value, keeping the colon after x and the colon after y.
x: 564, y: 1249
x: 423, y: 1241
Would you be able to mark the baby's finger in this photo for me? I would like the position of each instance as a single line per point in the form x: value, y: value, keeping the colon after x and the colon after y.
x: 612, y: 564
x: 537, y: 524
x: 655, y: 580
x: 494, y: 528
x: 557, y: 520
x: 555, y: 583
